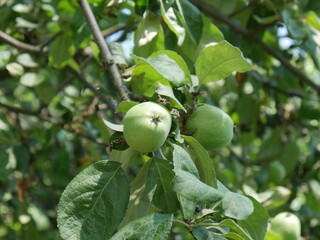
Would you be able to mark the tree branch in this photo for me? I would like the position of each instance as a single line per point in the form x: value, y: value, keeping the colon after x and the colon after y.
x: 20, y: 45
x: 26, y: 112
x: 82, y: 65
x: 250, y: 4
x: 218, y: 16
x: 105, y: 51
x: 113, y: 29
x: 48, y: 119
x: 266, y: 83
x: 24, y: 46
x: 99, y: 94
x: 48, y: 41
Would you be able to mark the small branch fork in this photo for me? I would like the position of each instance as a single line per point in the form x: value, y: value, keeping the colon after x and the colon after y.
x: 24, y: 46
x: 105, y: 51
x: 50, y: 120
x: 218, y: 16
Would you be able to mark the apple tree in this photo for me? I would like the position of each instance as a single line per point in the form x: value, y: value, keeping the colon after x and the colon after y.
x: 164, y: 119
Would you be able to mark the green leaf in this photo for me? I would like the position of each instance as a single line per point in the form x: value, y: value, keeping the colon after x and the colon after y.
x: 310, y: 105
x: 192, y: 19
x: 4, y: 58
x: 203, y: 162
x: 113, y: 126
x: 155, y: 226
x: 46, y: 91
x: 124, y: 106
x: 183, y: 161
x: 168, y: 92
x: 145, y: 78
x: 266, y: 20
x: 61, y: 50
x: 39, y: 216
x: 187, y: 207
x: 210, y: 33
x: 313, y: 19
x: 94, y: 202
x: 274, y: 197
x: 223, y: 189
x: 26, y: 60
x: 271, y: 147
x: 256, y: 224
x: 313, y: 195
x: 117, y: 53
x: 224, y: 7
x: 22, y: 8
x: 5, y: 168
x: 139, y: 203
x: 169, y: 69
x: 179, y: 61
x: 248, y: 109
x: 15, y: 69
x: 189, y: 51
x: 229, y: 223
x: 31, y: 79
x: 159, y: 185
x: 22, y: 23
x: 295, y: 27
x: 160, y: 68
x: 201, y: 233
x: 176, y: 132
x: 236, y: 206
x: 190, y: 187
x: 148, y: 37
x: 79, y: 28
x: 231, y: 235
x: 218, y: 61
x: 22, y: 155
x: 289, y: 156
x: 73, y: 64
x: 172, y: 20
x: 125, y: 157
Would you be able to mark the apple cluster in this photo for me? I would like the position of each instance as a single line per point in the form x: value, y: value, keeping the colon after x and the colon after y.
x: 147, y: 126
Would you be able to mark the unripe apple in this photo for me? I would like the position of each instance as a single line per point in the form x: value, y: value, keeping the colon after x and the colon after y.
x: 211, y: 126
x: 286, y: 225
x: 146, y: 126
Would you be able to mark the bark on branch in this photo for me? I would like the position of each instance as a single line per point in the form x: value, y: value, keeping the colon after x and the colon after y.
x: 24, y: 46
x: 105, y: 51
x: 48, y: 119
x: 20, y: 45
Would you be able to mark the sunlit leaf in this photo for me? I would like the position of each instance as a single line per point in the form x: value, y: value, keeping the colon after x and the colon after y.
x: 218, y: 61
x: 236, y: 206
x: 256, y: 224
x: 203, y: 162
x: 190, y: 187
x: 159, y: 185
x: 94, y: 202
x: 155, y: 226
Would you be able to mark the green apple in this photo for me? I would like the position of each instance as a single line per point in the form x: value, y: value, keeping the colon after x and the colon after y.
x: 286, y: 225
x: 276, y: 172
x: 211, y: 126
x: 271, y: 236
x: 146, y: 126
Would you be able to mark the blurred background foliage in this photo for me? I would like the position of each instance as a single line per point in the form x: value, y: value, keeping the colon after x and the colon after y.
x: 50, y: 129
